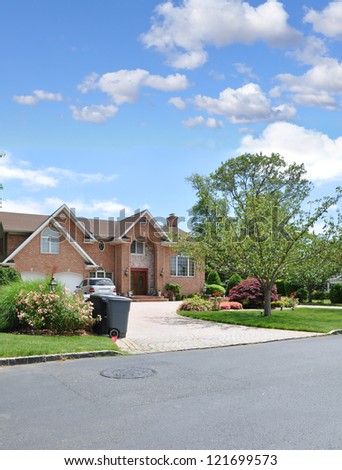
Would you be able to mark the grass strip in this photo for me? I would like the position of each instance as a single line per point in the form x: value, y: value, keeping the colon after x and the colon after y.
x: 16, y: 345
x: 320, y: 320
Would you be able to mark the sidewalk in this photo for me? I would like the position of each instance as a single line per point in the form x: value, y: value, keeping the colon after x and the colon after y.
x: 156, y: 327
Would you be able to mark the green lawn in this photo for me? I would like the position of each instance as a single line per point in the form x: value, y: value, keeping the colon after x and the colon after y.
x: 322, y: 320
x: 14, y: 345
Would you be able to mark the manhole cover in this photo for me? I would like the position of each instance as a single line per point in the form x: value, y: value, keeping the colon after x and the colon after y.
x: 131, y: 373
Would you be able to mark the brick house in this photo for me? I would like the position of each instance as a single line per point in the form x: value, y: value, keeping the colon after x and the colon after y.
x: 136, y: 251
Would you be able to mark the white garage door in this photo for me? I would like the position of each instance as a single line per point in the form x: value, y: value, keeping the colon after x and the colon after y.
x: 32, y: 275
x: 69, y: 280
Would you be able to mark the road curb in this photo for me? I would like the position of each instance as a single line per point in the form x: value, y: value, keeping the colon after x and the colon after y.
x: 13, y: 361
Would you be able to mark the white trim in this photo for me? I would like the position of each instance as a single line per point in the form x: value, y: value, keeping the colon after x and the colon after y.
x: 150, y: 219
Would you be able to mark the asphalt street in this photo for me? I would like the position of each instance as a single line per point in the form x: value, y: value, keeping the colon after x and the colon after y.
x: 281, y: 395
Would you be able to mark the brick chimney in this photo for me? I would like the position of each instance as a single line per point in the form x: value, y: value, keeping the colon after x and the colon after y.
x: 172, y: 221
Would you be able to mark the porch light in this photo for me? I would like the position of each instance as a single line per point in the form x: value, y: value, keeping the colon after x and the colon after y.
x: 126, y: 272
x: 162, y: 273
x: 53, y: 284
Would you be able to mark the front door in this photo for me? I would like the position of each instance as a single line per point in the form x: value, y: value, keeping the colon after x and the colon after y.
x: 139, y: 281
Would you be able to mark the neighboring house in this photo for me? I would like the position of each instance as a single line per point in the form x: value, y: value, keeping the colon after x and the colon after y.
x: 136, y: 252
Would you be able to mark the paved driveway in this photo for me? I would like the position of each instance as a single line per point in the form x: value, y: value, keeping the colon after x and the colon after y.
x: 156, y: 327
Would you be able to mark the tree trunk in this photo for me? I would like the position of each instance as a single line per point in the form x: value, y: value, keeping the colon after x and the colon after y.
x: 310, y: 295
x: 267, y: 300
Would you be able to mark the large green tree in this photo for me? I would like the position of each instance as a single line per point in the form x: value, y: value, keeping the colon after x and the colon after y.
x: 318, y: 259
x: 250, y: 217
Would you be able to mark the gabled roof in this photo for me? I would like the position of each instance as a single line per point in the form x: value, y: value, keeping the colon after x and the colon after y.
x: 53, y: 220
x: 130, y: 222
x: 93, y: 229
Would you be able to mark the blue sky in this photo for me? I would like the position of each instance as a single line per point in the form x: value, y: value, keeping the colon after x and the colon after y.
x: 109, y: 105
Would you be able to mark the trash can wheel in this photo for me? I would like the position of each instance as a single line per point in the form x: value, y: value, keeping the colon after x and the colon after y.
x: 114, y: 332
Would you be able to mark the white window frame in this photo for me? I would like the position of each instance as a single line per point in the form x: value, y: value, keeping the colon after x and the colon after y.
x: 49, y: 242
x: 175, y: 268
x: 134, y: 246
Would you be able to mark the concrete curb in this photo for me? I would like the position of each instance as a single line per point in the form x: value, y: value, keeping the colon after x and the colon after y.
x: 13, y: 361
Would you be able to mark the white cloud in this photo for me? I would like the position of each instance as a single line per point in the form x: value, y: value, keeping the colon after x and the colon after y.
x: 36, y: 179
x: 97, y: 114
x: 321, y: 83
x: 328, y: 21
x: 24, y: 206
x: 197, y: 121
x: 321, y: 155
x: 83, y: 178
x: 38, y: 95
x: 245, y: 104
x: 183, y: 32
x: 244, y: 70
x: 124, y: 86
x: 93, y: 207
x: 178, y: 102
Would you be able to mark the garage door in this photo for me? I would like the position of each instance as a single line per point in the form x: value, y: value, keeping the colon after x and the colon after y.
x: 32, y: 275
x: 69, y: 280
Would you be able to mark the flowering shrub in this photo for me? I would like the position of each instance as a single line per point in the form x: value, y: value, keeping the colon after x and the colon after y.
x: 231, y: 305
x: 225, y: 306
x: 196, y: 304
x: 250, y: 293
x: 59, y: 312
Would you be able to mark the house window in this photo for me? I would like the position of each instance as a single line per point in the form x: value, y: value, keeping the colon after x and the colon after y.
x: 100, y: 273
x: 137, y: 247
x: 50, y: 241
x: 182, y: 266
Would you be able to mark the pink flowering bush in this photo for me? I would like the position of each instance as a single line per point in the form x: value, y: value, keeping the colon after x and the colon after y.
x: 59, y: 312
x: 231, y: 305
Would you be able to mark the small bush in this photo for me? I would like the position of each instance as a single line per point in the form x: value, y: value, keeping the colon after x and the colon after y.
x: 336, y: 294
x: 318, y: 295
x: 285, y: 302
x: 8, y: 275
x: 214, y: 278
x: 231, y: 305
x: 196, y: 304
x: 302, y: 294
x: 211, y: 289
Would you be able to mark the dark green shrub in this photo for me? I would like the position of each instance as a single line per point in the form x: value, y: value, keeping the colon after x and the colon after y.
x: 175, y: 288
x: 336, y: 294
x: 8, y: 275
x: 302, y: 294
x: 211, y: 289
x: 233, y: 281
x: 280, y: 285
x: 214, y: 278
x: 318, y: 295
x: 290, y: 288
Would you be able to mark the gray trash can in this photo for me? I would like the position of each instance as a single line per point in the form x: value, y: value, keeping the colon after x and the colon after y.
x: 114, y: 312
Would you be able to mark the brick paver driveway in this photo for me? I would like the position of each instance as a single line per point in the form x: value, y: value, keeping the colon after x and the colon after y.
x: 156, y: 327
